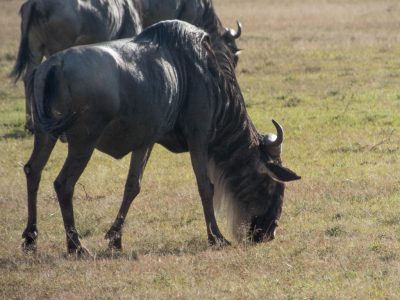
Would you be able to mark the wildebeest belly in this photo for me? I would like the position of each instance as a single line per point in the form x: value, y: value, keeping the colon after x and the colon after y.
x: 121, y: 137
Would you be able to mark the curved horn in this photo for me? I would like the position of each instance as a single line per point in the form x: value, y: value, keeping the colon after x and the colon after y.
x: 279, y: 135
x: 238, y: 33
x: 272, y: 143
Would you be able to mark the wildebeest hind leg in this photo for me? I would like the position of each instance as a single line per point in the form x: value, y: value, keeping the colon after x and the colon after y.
x: 77, y: 159
x: 198, y: 154
x: 132, y: 188
x: 36, y: 57
x: 43, y: 145
x: 28, y: 112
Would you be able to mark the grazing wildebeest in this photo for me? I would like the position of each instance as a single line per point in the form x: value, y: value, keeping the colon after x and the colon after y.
x: 197, y: 12
x: 165, y: 86
x: 49, y: 26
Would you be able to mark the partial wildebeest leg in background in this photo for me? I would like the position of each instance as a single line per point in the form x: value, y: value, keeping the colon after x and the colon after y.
x: 43, y: 145
x: 198, y: 154
x: 139, y: 159
x: 36, y: 56
x: 77, y: 159
x: 28, y: 101
x: 28, y: 111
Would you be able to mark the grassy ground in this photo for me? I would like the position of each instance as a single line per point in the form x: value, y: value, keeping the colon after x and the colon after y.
x: 329, y: 71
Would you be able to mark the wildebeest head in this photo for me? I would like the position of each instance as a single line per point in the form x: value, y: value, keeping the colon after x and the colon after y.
x: 253, y: 197
x: 222, y: 39
x: 265, y: 211
x: 229, y: 37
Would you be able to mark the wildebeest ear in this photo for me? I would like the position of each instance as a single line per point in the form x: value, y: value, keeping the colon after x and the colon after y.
x: 280, y: 173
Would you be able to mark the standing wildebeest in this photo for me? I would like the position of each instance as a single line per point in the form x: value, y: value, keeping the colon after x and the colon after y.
x: 165, y: 86
x: 49, y: 26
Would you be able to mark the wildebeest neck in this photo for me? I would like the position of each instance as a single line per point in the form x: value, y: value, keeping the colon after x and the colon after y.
x: 235, y: 135
x: 210, y: 22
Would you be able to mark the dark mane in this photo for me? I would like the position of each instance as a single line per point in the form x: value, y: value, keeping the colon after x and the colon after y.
x: 180, y: 36
x: 235, y: 131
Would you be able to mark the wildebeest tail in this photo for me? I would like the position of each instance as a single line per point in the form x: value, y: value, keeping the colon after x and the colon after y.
x: 27, y: 12
x: 44, y: 90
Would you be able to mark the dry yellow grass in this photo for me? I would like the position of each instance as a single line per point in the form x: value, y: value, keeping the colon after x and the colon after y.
x: 329, y: 71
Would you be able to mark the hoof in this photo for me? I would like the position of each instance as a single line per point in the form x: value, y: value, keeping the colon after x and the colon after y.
x: 115, y: 245
x: 29, y: 242
x: 218, y: 242
x: 80, y: 252
x: 29, y: 127
x: 115, y: 240
x: 28, y: 246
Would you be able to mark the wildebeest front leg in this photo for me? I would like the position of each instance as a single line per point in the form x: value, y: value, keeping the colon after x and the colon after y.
x: 43, y: 145
x: 199, y: 162
x: 76, y: 161
x: 132, y: 188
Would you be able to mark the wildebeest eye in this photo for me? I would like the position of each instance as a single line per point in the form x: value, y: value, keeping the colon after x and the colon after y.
x: 233, y: 48
x: 277, y: 161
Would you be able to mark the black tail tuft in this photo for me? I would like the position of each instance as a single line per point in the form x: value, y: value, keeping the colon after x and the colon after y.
x: 24, y: 55
x: 46, y: 85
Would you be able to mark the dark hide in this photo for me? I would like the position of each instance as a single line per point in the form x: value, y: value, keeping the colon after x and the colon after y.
x: 165, y: 86
x: 49, y: 26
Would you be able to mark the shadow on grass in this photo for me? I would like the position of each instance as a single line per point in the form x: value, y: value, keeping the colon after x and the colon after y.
x: 16, y: 133
x: 28, y: 259
x: 120, y: 255
x: 192, y: 247
x: 18, y: 261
